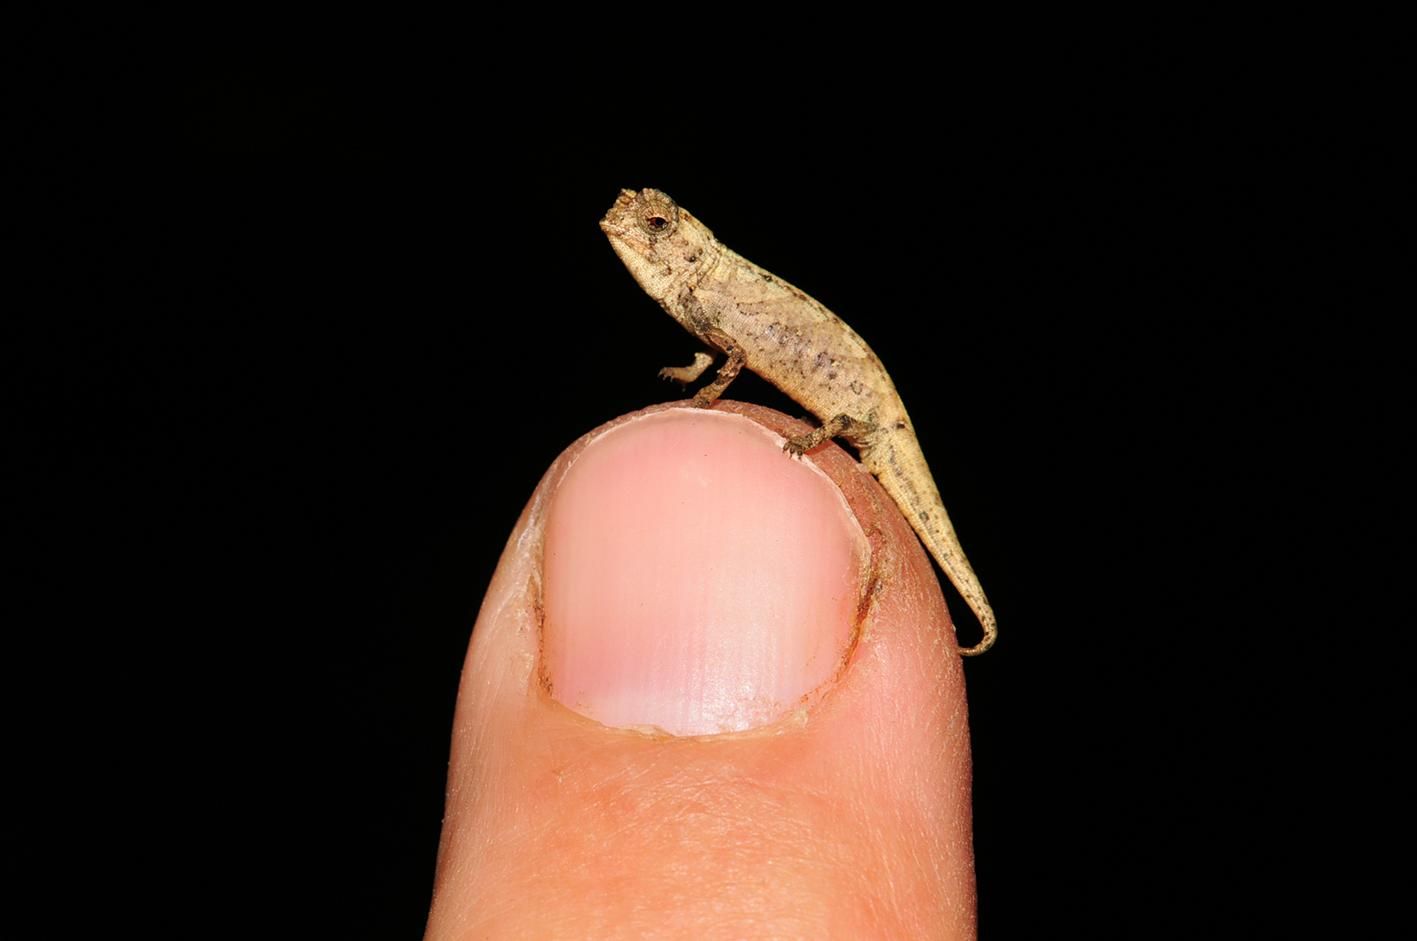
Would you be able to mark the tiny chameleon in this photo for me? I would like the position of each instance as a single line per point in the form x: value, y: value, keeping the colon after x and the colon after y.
x: 758, y: 320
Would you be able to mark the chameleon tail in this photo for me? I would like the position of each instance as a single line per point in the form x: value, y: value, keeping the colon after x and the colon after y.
x: 904, y: 475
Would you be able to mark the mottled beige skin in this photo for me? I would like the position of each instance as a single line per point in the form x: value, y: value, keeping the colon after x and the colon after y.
x: 791, y: 340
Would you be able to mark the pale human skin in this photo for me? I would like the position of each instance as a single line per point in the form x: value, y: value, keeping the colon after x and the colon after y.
x: 778, y: 331
x: 847, y: 815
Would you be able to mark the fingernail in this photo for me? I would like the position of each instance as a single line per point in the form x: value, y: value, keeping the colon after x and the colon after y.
x: 697, y: 580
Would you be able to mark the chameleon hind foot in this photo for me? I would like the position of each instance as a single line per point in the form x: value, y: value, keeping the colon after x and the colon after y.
x: 840, y: 426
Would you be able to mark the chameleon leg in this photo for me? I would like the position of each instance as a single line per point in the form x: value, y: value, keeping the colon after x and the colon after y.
x: 687, y: 374
x: 842, y: 425
x: 726, y: 373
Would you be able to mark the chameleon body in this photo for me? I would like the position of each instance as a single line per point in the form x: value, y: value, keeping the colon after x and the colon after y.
x: 779, y: 332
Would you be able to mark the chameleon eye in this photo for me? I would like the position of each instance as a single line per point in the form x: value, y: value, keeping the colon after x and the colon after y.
x: 657, y: 215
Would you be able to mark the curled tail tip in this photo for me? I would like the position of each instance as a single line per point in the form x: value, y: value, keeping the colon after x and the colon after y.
x: 990, y: 635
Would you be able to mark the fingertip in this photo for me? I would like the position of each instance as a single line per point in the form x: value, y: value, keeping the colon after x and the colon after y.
x: 623, y: 565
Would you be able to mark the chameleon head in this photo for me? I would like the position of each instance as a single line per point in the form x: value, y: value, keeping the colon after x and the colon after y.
x: 659, y: 242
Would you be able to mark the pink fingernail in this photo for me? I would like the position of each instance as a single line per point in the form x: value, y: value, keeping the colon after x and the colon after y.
x: 697, y: 579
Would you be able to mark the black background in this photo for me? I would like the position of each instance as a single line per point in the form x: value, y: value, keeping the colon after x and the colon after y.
x: 302, y: 339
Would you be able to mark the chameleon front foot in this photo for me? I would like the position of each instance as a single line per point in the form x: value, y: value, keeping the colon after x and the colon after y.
x: 687, y: 374
x: 726, y: 373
